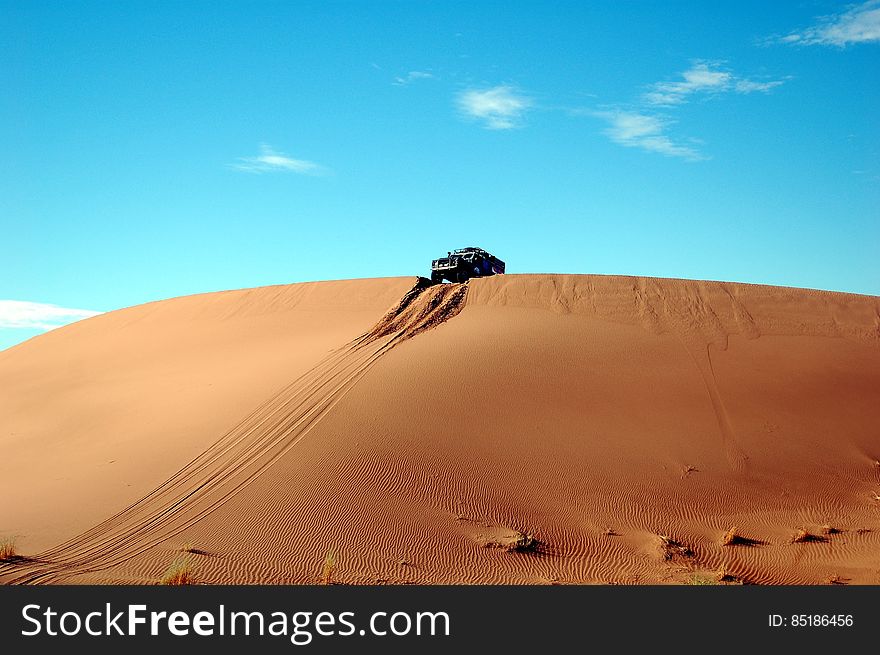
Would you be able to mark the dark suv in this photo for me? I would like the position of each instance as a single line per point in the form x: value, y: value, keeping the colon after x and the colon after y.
x: 461, y: 265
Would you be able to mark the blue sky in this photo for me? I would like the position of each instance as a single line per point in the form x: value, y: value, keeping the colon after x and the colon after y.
x: 154, y: 149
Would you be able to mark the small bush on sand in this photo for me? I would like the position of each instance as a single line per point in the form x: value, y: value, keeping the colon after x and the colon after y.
x: 7, y: 548
x: 190, y: 549
x: 702, y: 579
x: 516, y: 542
x: 523, y: 543
x: 719, y: 577
x: 329, y: 567
x: 179, y: 573
x: 672, y: 548
x: 732, y: 537
x: 802, y: 536
x: 724, y: 577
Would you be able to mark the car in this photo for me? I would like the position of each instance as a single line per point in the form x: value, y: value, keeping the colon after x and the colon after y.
x: 463, y: 264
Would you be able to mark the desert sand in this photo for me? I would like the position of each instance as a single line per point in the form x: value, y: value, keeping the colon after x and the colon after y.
x: 535, y: 429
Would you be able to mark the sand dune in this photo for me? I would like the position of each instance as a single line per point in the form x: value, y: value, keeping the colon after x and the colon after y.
x: 96, y: 414
x: 516, y: 429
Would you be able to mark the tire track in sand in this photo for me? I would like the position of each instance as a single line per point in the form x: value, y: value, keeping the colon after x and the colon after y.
x: 245, y: 452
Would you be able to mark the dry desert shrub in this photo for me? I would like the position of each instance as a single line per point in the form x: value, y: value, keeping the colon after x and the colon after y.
x: 729, y: 537
x: 329, y: 566
x: 725, y: 577
x: 672, y: 548
x: 702, y: 579
x: 803, y: 536
x: 189, y: 548
x: 687, y: 470
x: 719, y: 577
x: 733, y: 538
x: 523, y: 543
x: 518, y: 542
x: 7, y: 548
x: 179, y: 573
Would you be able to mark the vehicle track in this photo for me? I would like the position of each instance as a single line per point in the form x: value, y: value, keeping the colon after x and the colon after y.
x: 245, y: 452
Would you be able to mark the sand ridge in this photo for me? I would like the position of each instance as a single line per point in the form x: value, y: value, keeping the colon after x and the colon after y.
x: 619, y: 426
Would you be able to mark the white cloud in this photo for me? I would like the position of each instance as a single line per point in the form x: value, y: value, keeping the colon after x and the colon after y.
x: 499, y: 108
x: 38, y: 316
x: 270, y: 160
x: 706, y: 78
x: 699, y: 78
x: 641, y: 127
x: 861, y: 24
x: 750, y: 86
x: 411, y: 77
x: 639, y: 130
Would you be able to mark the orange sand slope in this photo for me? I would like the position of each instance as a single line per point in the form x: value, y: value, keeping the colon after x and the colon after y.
x: 516, y: 429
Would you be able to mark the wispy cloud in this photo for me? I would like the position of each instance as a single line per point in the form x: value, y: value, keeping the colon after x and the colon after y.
x: 750, y: 86
x: 269, y: 160
x: 703, y: 78
x: 498, y: 108
x: 646, y: 124
x: 639, y: 130
x: 860, y: 24
x: 699, y: 78
x: 38, y: 316
x: 412, y: 76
